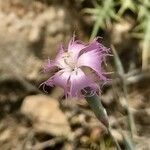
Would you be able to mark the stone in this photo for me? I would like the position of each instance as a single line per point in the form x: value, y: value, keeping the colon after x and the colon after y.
x: 46, y: 116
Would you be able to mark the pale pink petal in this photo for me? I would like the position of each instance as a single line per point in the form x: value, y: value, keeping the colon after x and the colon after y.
x: 95, y: 45
x: 48, y: 65
x: 74, y: 47
x: 92, y: 59
x: 59, y: 79
x: 60, y: 52
x: 79, y: 81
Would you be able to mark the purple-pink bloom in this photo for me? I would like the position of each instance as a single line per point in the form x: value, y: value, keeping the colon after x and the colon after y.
x: 78, y: 68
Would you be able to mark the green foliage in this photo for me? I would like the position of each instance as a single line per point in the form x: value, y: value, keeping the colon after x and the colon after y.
x: 102, y: 14
x: 143, y: 29
x: 126, y: 5
x: 105, y: 11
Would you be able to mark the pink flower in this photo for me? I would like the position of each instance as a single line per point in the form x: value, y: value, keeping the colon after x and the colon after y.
x: 79, y: 68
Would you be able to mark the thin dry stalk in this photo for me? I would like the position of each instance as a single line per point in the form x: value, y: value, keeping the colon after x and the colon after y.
x: 121, y: 73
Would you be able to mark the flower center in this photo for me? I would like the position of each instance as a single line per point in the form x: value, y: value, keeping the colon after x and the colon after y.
x: 68, y: 60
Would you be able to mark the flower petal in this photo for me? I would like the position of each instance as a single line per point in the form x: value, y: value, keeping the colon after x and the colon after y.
x: 92, y: 59
x: 57, y: 62
x: 48, y: 66
x: 95, y: 45
x: 59, y: 52
x: 59, y: 79
x: 75, y: 47
x: 79, y: 81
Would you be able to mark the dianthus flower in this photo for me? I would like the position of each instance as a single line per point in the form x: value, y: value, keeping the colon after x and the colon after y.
x: 78, y: 69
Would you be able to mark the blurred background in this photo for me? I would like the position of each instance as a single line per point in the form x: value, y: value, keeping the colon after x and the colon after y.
x: 30, y: 32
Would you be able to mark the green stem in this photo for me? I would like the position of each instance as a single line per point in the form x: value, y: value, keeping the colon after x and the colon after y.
x: 100, y: 112
x: 98, y: 109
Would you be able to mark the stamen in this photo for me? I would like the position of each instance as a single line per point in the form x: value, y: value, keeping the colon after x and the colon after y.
x: 68, y: 60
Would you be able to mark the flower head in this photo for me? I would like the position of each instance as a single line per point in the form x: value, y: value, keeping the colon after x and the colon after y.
x: 79, y: 68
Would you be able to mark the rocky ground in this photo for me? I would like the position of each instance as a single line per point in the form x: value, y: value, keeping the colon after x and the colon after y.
x: 30, y: 32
